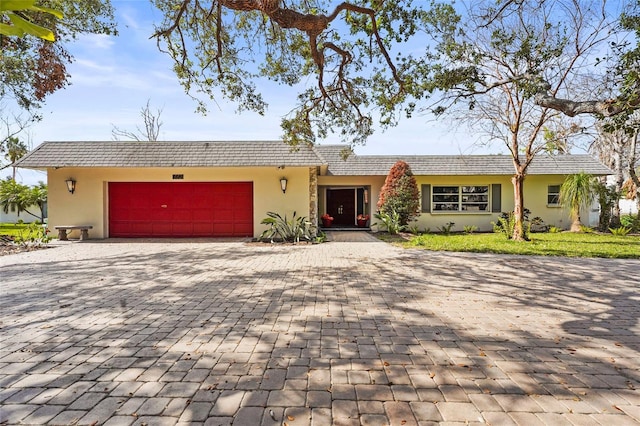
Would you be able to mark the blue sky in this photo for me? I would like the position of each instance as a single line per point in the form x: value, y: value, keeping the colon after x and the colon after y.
x: 113, y: 77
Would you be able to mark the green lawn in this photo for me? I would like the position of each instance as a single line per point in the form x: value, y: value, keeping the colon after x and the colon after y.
x: 12, y: 229
x: 543, y: 244
x: 17, y: 230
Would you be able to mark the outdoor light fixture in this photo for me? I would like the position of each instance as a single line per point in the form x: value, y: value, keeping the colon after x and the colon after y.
x: 283, y: 184
x: 71, y: 185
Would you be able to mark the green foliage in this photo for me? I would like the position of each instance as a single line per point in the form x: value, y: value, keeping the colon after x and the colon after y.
x: 12, y: 229
x: 34, y: 235
x: 587, y: 229
x: 607, y: 199
x: 17, y: 13
x: 446, y: 228
x: 470, y: 229
x: 541, y: 244
x: 390, y: 221
x: 620, y: 231
x: 15, y: 149
x: 23, y: 197
x: 348, y: 48
x: 283, y: 229
x: 507, y: 223
x: 577, y: 191
x: 413, y: 228
x: 31, y: 68
x: 400, y: 194
x: 631, y: 221
x: 554, y: 230
x: 537, y: 225
x: 321, y: 237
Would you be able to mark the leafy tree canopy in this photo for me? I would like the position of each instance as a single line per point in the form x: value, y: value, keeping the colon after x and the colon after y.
x: 23, y: 197
x: 32, y: 68
x: 375, y: 58
x: 350, y: 51
x: 19, y: 22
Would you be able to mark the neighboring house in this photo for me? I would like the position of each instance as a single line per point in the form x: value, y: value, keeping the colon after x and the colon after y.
x: 219, y: 189
x: 12, y: 216
x: 628, y: 206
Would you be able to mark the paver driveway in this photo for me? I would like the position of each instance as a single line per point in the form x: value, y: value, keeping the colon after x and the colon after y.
x: 344, y: 333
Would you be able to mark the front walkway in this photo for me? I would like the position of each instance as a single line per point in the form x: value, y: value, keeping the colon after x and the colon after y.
x: 343, y: 333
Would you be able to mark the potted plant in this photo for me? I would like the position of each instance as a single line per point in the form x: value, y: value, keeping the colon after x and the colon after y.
x: 362, y: 220
x: 326, y: 220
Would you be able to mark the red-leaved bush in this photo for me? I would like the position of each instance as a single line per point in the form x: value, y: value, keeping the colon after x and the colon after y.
x: 400, y: 193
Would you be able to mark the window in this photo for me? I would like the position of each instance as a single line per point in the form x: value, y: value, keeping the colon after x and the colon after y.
x: 553, y: 195
x: 460, y: 198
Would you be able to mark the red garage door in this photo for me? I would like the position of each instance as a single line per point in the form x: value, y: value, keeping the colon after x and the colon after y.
x: 180, y: 209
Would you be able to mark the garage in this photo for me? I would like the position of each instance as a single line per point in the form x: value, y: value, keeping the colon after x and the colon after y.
x: 180, y: 209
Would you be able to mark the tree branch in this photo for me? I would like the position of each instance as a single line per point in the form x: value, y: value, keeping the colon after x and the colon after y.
x: 606, y: 108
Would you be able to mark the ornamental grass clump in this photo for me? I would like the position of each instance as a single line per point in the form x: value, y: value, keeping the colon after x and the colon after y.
x: 288, y: 230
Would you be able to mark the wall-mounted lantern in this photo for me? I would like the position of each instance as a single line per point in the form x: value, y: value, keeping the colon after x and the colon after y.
x: 71, y: 185
x: 283, y: 184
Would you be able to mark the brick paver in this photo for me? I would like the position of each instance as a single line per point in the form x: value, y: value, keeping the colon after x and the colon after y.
x: 350, y: 332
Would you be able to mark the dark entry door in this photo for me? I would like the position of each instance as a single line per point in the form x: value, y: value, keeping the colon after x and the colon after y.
x: 341, y: 204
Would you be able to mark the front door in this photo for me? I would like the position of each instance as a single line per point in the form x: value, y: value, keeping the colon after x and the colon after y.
x: 341, y: 204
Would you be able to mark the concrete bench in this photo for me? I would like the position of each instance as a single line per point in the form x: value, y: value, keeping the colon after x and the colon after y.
x: 62, y: 231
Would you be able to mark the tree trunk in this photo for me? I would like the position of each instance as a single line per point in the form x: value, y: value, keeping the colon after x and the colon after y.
x: 632, y: 166
x: 576, y: 225
x: 614, y: 221
x: 518, y: 209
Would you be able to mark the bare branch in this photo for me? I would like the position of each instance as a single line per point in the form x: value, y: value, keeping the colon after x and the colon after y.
x: 151, y: 130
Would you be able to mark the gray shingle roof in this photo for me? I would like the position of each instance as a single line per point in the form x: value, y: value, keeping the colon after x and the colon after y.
x: 450, y: 165
x: 168, y: 154
x: 277, y: 153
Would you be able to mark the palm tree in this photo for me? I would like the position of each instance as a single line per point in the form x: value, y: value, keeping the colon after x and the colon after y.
x: 16, y: 149
x: 22, y: 197
x: 577, y: 191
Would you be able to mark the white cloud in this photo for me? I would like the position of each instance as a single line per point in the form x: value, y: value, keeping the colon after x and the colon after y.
x: 93, y: 42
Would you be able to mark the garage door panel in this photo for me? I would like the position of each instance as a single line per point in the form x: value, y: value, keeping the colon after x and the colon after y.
x: 180, y: 209
x: 202, y: 215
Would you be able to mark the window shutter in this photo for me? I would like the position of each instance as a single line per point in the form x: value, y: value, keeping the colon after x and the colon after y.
x: 426, y: 198
x: 496, y: 198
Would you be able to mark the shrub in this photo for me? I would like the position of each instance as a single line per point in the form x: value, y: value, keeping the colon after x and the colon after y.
x: 537, y: 225
x: 507, y: 223
x: 320, y: 238
x: 34, y: 235
x: 414, y: 228
x: 554, y: 229
x: 390, y: 222
x: 607, y: 198
x: 400, y: 194
x: 280, y: 228
x: 587, y: 229
x: 470, y: 229
x: 446, y: 228
x: 620, y: 231
x: 631, y: 221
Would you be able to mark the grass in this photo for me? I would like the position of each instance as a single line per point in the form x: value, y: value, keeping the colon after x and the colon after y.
x: 12, y: 229
x: 543, y: 244
x: 16, y: 230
